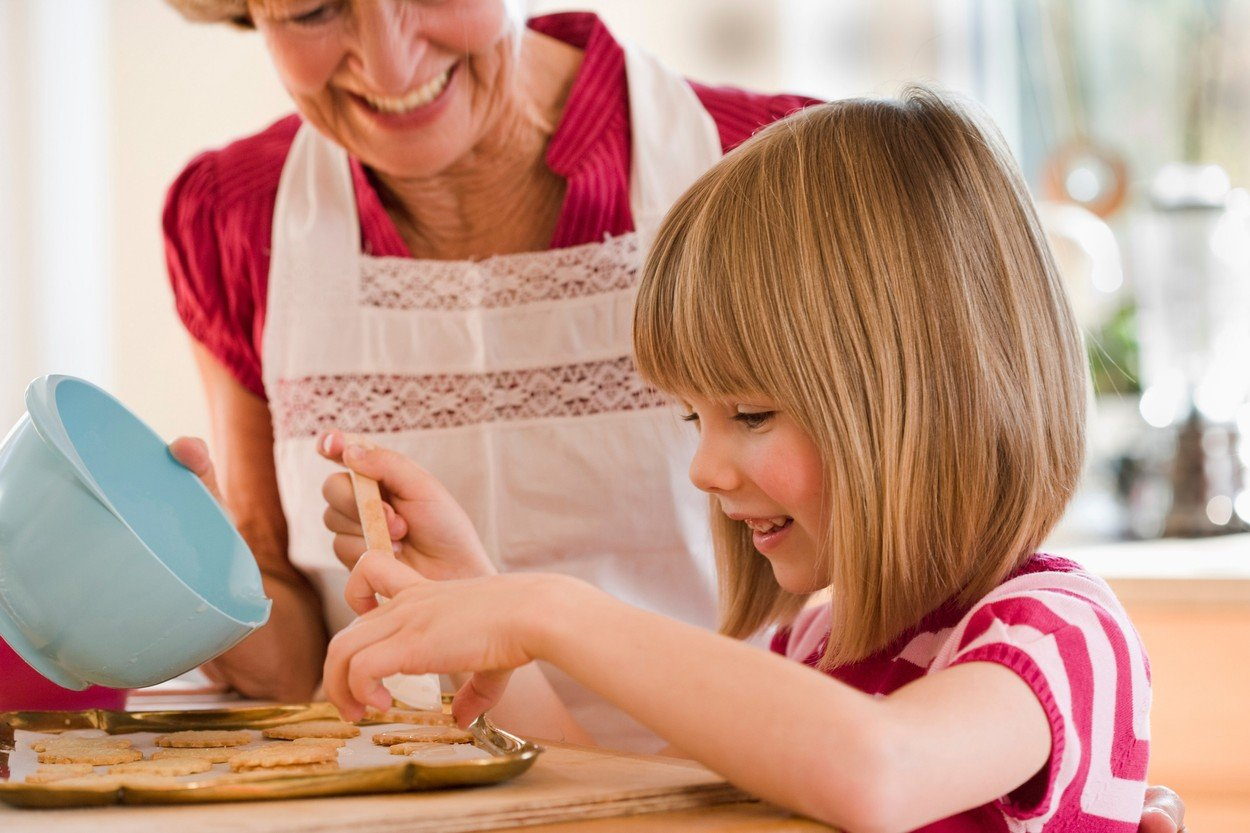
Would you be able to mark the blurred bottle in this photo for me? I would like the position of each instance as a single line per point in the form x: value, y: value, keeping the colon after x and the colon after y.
x: 1191, y: 255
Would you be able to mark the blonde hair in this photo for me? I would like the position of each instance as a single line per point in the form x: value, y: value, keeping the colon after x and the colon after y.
x: 877, y: 268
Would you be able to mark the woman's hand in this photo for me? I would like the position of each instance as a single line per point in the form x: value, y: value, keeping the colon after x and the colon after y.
x: 192, y: 454
x: 441, y: 627
x: 432, y: 531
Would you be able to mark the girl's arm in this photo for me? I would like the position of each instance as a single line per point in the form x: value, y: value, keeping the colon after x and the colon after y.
x: 778, y: 729
x: 792, y: 735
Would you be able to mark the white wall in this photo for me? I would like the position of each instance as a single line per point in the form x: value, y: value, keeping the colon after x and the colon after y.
x: 179, y: 88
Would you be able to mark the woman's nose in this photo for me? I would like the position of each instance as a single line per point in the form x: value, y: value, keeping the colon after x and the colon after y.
x: 712, y: 470
x: 390, y: 44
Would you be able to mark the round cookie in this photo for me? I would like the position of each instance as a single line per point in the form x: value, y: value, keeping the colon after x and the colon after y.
x: 415, y: 718
x: 79, y: 742
x: 313, y: 729
x: 48, y: 773
x: 334, y: 742
x: 264, y: 773
x: 100, y: 756
x: 205, y: 738
x: 168, y: 766
x: 212, y: 754
x: 423, y: 734
x: 283, y: 754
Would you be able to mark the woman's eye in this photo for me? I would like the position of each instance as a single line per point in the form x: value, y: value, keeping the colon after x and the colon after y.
x: 754, y: 419
x: 314, y: 16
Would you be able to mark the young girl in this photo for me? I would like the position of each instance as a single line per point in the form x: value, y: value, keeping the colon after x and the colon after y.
x: 861, y: 316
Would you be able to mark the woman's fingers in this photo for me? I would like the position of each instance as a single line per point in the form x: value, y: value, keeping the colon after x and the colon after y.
x: 192, y: 454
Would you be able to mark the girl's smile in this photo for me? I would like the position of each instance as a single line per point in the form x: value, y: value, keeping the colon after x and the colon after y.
x: 766, y: 533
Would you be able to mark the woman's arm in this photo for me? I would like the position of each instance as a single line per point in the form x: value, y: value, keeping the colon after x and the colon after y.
x: 778, y: 729
x: 282, y: 660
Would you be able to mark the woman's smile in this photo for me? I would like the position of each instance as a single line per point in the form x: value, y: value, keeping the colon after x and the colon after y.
x: 418, y: 97
x: 415, y: 108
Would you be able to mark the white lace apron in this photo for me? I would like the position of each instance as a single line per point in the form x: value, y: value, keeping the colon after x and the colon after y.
x: 510, y: 379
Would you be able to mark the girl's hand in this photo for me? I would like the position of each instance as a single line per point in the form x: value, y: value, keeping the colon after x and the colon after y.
x: 433, y: 533
x: 478, y: 625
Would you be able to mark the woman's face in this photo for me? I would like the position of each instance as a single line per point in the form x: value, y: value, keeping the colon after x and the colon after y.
x: 406, y: 86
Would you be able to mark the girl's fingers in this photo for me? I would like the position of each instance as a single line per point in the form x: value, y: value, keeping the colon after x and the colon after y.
x: 374, y: 663
x: 378, y: 573
x: 482, y: 690
x: 342, y: 649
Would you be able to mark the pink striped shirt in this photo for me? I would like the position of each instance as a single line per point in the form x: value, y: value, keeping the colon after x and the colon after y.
x: 219, y: 212
x: 1063, y: 631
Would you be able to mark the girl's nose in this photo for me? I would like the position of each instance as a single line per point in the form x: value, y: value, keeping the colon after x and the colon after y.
x: 389, y: 44
x: 712, y: 470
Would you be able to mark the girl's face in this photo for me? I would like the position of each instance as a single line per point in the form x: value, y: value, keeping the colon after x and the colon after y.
x: 406, y: 86
x: 767, y: 474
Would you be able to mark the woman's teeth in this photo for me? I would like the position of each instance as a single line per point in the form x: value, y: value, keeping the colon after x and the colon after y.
x: 766, y: 525
x: 419, y: 97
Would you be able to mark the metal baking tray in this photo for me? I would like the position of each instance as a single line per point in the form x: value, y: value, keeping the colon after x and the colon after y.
x: 508, y: 757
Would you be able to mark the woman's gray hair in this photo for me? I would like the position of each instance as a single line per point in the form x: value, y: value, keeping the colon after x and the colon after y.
x: 235, y: 11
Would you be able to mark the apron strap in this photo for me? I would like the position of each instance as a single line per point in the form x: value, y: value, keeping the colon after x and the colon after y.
x: 674, y: 139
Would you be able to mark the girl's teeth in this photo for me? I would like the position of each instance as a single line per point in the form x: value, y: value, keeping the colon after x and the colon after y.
x: 766, y: 526
x: 419, y: 97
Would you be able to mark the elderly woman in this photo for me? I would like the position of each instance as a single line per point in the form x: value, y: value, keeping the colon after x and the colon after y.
x: 440, y: 249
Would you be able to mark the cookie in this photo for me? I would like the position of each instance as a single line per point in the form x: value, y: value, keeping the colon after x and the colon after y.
x: 283, y: 754
x: 48, y: 773
x: 420, y: 749
x: 205, y: 738
x: 423, y: 734
x: 99, y: 756
x: 313, y: 729
x: 77, y: 741
x: 105, y: 783
x: 427, y: 751
x: 265, y: 773
x: 413, y: 717
x: 212, y: 754
x: 334, y: 742
x: 168, y: 766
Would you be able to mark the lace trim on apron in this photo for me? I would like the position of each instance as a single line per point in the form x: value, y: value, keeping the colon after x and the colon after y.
x: 389, y: 403
x: 503, y: 281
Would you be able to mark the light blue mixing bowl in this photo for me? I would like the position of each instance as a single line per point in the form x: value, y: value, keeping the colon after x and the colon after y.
x: 117, y: 567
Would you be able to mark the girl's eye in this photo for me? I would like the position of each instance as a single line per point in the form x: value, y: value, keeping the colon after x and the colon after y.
x: 754, y: 419
x: 690, y: 417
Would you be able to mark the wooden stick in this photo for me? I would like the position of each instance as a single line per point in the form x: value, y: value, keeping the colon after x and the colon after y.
x: 369, y: 504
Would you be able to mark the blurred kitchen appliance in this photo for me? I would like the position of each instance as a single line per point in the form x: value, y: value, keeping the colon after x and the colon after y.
x: 1192, y: 279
